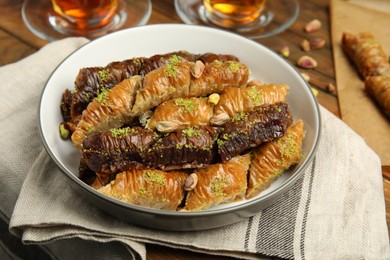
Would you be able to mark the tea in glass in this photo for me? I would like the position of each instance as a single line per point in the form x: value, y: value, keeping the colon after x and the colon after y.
x: 234, y: 13
x: 86, y: 14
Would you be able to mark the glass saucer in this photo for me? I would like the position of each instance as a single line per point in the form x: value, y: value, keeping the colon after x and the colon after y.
x: 277, y: 17
x: 40, y: 19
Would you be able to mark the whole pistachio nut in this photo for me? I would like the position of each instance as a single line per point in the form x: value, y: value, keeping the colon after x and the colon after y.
x: 317, y: 42
x: 214, y: 98
x: 305, y: 45
x: 307, y: 62
x: 197, y: 69
x: 191, y: 182
x: 330, y: 88
x: 313, y: 25
x: 166, y: 126
x: 285, y: 51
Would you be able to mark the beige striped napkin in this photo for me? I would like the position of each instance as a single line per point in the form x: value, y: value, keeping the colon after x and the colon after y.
x: 336, y: 210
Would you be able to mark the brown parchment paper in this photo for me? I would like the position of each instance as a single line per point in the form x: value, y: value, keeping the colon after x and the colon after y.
x: 357, y: 109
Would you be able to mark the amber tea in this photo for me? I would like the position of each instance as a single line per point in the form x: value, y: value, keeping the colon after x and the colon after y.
x: 86, y: 14
x: 232, y: 13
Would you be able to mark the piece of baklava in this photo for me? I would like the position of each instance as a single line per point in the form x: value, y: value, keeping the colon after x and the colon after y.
x: 219, y: 183
x: 148, y: 188
x: 238, y: 100
x: 110, y: 109
x: 378, y: 87
x: 250, y: 129
x: 366, y: 53
x: 177, y: 80
x: 271, y: 159
x: 181, y: 113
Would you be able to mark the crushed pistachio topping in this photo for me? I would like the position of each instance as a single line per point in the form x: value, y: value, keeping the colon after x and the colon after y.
x: 103, y: 74
x: 255, y: 94
x: 187, y: 104
x: 102, y: 96
x: 220, y: 142
x: 218, y: 185
x: 171, y: 68
x: 225, y: 136
x: 89, y: 130
x: 191, y: 131
x: 142, y: 191
x: 240, y: 117
x: 154, y: 177
x: 287, y: 145
x: 234, y: 66
x: 118, y: 132
x: 218, y: 62
x: 175, y: 59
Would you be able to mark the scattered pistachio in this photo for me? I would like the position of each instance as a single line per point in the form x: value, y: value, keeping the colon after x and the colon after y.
x: 317, y: 42
x: 64, y: 131
x: 144, y: 119
x: 166, y: 126
x: 307, y: 62
x: 305, y: 76
x: 214, y: 98
x: 313, y: 25
x: 191, y: 182
x: 330, y: 88
x: 285, y: 51
x: 305, y: 45
x: 197, y: 69
x: 315, y: 91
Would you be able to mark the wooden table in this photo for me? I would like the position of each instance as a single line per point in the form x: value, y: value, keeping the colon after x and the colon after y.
x: 17, y: 42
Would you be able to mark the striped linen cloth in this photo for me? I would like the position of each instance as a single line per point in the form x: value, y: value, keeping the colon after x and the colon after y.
x: 335, y: 211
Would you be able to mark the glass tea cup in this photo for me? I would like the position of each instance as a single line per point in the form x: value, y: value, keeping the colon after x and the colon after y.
x: 251, y: 18
x: 233, y: 14
x: 56, y: 19
x: 83, y: 15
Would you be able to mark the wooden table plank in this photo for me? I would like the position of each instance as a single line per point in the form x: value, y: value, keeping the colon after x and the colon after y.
x: 12, y: 49
x: 11, y: 22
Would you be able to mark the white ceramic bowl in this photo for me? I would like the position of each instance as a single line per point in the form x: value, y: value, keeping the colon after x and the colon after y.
x: 264, y: 64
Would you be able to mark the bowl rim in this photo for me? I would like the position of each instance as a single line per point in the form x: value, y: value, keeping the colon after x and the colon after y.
x: 209, y: 212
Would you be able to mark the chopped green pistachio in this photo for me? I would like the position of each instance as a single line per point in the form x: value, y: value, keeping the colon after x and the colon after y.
x: 287, y: 145
x: 119, y: 132
x: 64, y: 132
x: 175, y: 59
x: 102, y: 97
x: 170, y: 70
x: 187, y: 104
x: 154, y: 177
x: 103, y: 74
x: 218, y: 185
x: 191, y: 131
x: 255, y: 94
x: 234, y: 66
x: 240, y: 117
x: 220, y: 142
